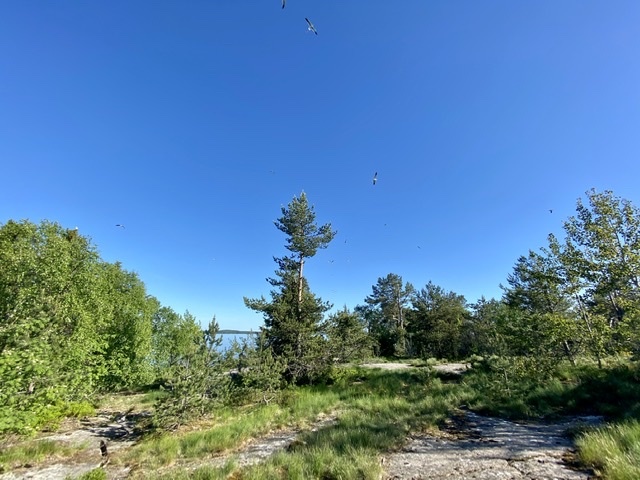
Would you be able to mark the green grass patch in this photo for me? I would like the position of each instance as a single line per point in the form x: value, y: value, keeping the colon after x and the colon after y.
x: 95, y: 474
x: 613, y: 391
x: 613, y: 450
x: 33, y: 452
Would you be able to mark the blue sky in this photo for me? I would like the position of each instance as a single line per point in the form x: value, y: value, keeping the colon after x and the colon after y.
x: 191, y: 123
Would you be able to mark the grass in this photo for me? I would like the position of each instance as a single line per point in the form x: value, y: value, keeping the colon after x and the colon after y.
x: 95, y: 474
x: 612, y: 392
x: 613, y: 450
x: 32, y: 453
x: 377, y: 409
x: 130, y: 402
x: 232, y: 428
x: 373, y: 411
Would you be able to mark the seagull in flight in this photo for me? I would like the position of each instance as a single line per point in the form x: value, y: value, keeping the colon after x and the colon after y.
x: 375, y: 178
x: 311, y: 27
x: 119, y: 225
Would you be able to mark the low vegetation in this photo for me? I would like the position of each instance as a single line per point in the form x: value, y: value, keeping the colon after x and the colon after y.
x: 366, y: 413
x: 613, y: 450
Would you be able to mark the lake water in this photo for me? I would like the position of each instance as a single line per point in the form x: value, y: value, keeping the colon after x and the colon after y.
x: 228, y: 338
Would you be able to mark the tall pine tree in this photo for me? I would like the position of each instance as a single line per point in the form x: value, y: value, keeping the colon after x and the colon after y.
x: 293, y: 317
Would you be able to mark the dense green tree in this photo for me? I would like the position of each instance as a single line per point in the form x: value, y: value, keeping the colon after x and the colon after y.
x: 436, y: 322
x: 49, y: 305
x: 259, y: 374
x: 348, y: 338
x: 128, y: 328
x: 536, y: 288
x: 70, y: 324
x: 383, y: 337
x: 581, y: 294
x: 601, y: 263
x: 304, y: 236
x: 480, y: 334
x: 172, y: 339
x: 293, y: 317
x: 391, y: 298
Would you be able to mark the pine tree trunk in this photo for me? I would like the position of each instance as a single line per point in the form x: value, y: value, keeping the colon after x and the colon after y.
x: 301, y: 264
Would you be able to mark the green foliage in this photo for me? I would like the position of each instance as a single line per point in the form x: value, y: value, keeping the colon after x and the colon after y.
x: 293, y: 328
x: 259, y: 374
x: 173, y: 339
x: 373, y: 410
x: 387, y: 314
x: 600, y: 262
x: 507, y: 386
x: 581, y: 296
x: 46, y: 314
x: 31, y: 452
x: 128, y: 331
x: 542, y: 322
x: 436, y: 323
x: 516, y: 387
x: 293, y: 317
x: 70, y: 324
x: 304, y: 237
x: 481, y: 335
x: 197, y: 382
x: 95, y: 474
x: 348, y: 340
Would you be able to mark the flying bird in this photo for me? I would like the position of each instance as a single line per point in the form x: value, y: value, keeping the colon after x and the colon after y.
x: 311, y: 27
x: 119, y: 225
x: 375, y: 178
x: 550, y: 211
x: 284, y: 2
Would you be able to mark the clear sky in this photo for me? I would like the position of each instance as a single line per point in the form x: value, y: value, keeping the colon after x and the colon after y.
x: 191, y: 123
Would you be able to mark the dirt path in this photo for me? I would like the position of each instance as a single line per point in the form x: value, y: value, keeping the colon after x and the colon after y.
x: 453, y: 368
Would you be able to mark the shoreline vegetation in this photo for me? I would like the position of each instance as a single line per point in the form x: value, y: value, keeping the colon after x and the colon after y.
x: 227, y: 331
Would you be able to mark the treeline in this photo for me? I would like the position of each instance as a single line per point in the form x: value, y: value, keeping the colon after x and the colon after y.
x: 574, y: 298
x: 73, y: 326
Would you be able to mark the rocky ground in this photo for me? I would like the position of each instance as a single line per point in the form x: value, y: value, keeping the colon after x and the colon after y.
x: 115, y: 429
x: 469, y: 446
x: 484, y: 448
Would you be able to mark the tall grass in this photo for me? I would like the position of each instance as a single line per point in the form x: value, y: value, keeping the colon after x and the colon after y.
x: 613, y: 392
x: 613, y: 450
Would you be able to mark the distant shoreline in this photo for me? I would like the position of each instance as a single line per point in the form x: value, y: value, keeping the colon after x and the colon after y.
x: 237, y: 332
